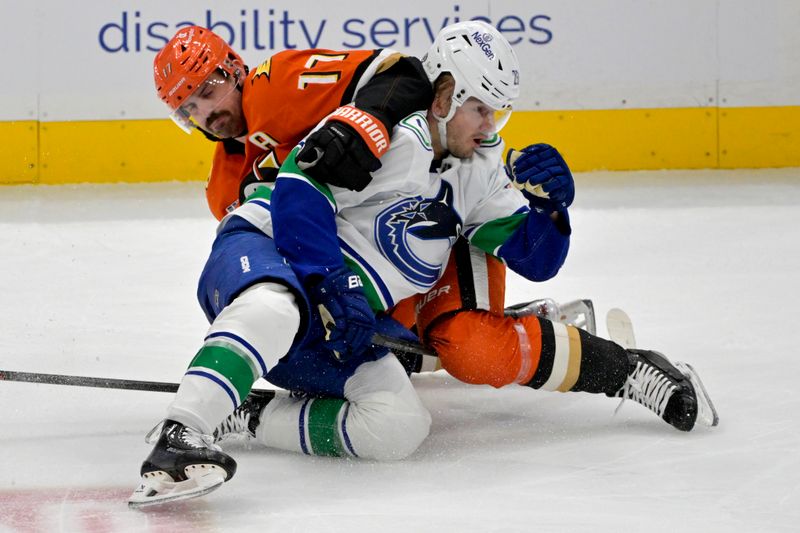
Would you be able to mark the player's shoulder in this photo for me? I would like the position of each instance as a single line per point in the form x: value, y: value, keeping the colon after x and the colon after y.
x: 303, y: 69
x: 410, y: 153
x: 320, y: 59
x: 273, y: 80
x: 414, y: 130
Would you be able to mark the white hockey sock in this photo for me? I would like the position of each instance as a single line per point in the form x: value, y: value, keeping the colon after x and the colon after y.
x: 245, y: 341
x: 381, y: 418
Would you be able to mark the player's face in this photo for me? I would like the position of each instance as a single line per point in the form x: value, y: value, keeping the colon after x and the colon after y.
x: 216, y: 107
x: 472, y: 123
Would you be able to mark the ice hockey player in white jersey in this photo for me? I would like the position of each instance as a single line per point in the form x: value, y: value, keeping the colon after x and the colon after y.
x: 309, y: 331
x: 444, y: 179
x: 296, y: 275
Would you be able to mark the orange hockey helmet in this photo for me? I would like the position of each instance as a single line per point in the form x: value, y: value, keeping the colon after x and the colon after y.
x: 187, y: 60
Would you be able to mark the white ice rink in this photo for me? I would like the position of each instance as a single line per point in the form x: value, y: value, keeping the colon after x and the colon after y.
x: 100, y: 280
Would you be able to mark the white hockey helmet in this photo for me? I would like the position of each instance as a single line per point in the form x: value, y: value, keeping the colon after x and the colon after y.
x: 482, y: 63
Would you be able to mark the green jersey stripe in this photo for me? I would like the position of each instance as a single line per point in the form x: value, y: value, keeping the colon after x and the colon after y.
x: 289, y: 169
x: 227, y: 363
x: 494, y: 140
x: 491, y: 235
x: 263, y: 192
x: 323, y: 427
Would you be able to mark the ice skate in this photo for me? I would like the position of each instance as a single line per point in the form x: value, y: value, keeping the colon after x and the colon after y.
x: 674, y: 392
x: 183, y: 464
x: 242, y: 423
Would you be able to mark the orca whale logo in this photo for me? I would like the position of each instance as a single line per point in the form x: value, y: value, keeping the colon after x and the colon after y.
x: 416, y: 233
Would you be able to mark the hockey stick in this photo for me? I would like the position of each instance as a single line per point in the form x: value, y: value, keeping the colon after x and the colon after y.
x: 397, y: 345
x: 86, y: 381
x: 402, y: 346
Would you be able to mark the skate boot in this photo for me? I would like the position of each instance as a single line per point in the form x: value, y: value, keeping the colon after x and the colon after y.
x: 674, y: 392
x: 242, y: 423
x: 183, y: 464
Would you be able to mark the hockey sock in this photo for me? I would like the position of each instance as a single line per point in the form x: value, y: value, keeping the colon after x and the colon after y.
x: 217, y: 381
x: 380, y: 417
x: 574, y: 360
x: 312, y: 426
x: 246, y: 340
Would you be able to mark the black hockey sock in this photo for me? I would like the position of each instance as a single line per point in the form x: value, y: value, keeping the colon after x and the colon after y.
x: 604, y: 365
x: 578, y: 361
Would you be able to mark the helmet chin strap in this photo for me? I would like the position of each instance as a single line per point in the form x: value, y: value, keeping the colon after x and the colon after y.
x: 441, y: 124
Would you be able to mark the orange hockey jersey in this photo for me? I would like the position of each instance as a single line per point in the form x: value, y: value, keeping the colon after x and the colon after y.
x: 284, y: 98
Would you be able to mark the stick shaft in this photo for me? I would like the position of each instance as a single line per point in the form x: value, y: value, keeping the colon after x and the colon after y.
x: 86, y: 381
x: 158, y: 386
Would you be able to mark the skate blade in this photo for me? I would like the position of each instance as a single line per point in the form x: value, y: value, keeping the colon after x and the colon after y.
x: 155, y: 491
x: 578, y: 313
x: 706, y: 413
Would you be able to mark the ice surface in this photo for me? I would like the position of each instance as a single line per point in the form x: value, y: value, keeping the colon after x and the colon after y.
x: 100, y: 280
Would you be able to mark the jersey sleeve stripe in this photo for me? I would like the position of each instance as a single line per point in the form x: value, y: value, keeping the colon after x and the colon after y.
x: 290, y: 170
x: 491, y: 235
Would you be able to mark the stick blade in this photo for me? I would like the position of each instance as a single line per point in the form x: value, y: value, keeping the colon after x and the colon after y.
x: 620, y: 328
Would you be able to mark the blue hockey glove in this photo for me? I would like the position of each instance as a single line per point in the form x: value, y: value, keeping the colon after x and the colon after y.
x: 346, y: 315
x: 542, y: 175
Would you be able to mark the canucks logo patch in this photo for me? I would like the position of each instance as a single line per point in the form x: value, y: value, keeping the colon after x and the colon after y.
x: 416, y: 235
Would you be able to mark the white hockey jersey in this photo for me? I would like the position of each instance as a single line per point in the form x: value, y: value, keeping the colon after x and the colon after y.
x: 397, y: 233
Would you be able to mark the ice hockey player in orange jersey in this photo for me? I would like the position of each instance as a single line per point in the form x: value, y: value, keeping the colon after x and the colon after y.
x: 280, y: 101
x: 462, y: 317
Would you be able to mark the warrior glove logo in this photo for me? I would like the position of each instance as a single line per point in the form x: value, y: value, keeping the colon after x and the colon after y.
x: 368, y: 127
x: 416, y: 235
